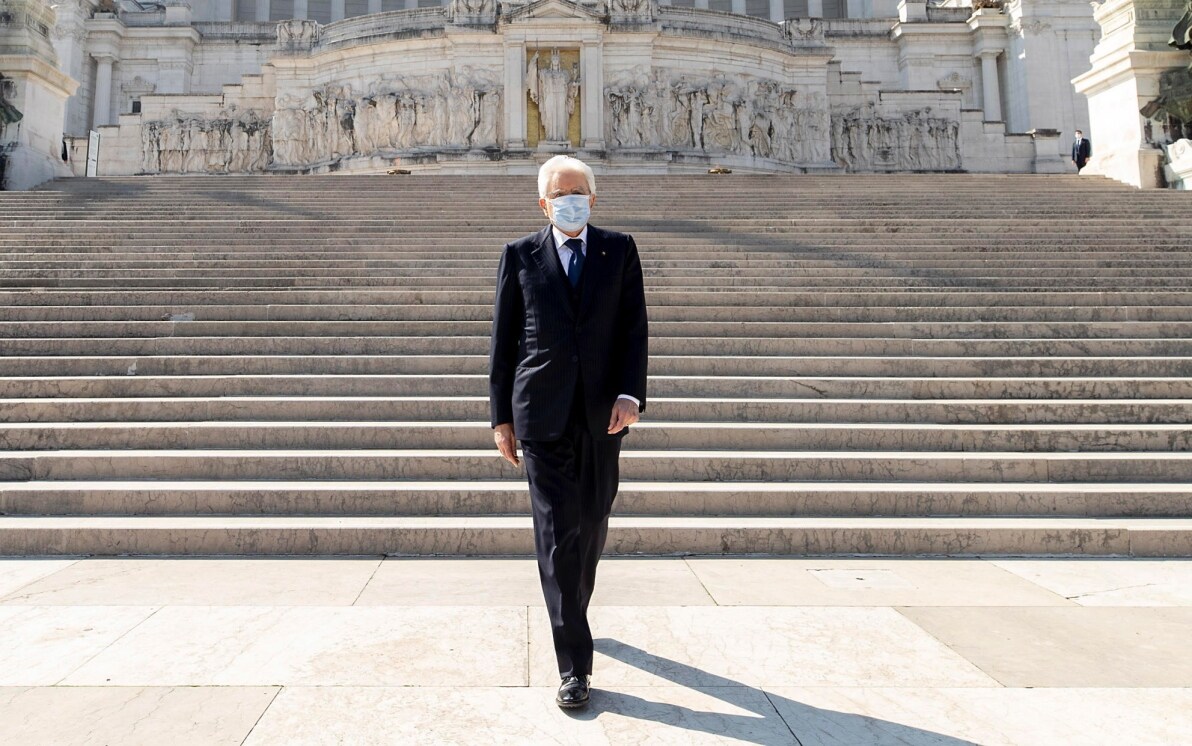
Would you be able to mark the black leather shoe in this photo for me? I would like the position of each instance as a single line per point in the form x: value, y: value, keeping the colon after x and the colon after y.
x: 573, y: 692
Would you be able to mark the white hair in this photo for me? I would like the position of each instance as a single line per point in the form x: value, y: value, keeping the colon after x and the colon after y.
x: 564, y: 163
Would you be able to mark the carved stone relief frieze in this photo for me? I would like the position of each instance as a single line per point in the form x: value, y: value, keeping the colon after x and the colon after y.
x: 232, y: 142
x: 718, y: 114
x: 452, y: 110
x: 864, y: 140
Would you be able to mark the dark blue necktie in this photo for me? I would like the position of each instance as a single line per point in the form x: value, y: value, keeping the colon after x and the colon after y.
x: 576, y: 265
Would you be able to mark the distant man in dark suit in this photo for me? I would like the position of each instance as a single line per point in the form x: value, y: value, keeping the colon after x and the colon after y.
x: 567, y: 375
x: 1082, y: 150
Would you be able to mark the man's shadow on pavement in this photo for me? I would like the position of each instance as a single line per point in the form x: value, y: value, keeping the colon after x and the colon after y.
x: 771, y: 721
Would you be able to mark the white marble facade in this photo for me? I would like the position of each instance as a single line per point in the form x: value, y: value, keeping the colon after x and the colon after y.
x: 785, y: 85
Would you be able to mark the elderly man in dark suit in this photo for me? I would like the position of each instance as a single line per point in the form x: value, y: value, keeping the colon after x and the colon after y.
x: 567, y: 376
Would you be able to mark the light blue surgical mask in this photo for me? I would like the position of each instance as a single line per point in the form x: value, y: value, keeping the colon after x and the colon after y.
x: 571, y: 212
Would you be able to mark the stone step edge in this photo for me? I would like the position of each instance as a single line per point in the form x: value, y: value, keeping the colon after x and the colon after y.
x: 644, y: 455
x: 177, y: 377
x: 513, y: 535
x: 626, y: 486
x: 1042, y: 427
x: 655, y: 400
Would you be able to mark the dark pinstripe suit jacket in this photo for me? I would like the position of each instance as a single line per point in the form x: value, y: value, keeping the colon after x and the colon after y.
x: 545, y: 336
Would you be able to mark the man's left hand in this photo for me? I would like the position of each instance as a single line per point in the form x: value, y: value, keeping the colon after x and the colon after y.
x: 624, y: 414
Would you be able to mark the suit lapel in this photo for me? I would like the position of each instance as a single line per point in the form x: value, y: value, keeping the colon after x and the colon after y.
x: 547, y: 259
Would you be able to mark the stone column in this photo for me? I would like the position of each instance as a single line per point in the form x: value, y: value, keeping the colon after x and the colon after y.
x: 991, y: 97
x: 300, y: 9
x: 103, y: 90
x: 739, y: 7
x: 262, y: 10
x: 337, y: 10
x: 815, y: 8
x: 515, y: 97
x: 591, y: 66
x: 777, y: 11
x: 374, y: 6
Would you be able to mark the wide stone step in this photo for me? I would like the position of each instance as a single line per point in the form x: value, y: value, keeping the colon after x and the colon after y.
x: 475, y: 409
x: 658, y: 313
x: 513, y: 535
x: 688, y: 365
x: 977, y: 330
x: 864, y: 275
x: 652, y: 435
x: 656, y: 261
x: 777, y: 285
x: 713, y: 465
x: 697, y: 346
x: 442, y: 385
x: 660, y: 498
x: 188, y: 299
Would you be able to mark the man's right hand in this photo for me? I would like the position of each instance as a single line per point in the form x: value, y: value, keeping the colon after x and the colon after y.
x: 506, y: 442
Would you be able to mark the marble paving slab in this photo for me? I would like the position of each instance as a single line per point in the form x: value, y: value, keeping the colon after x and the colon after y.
x: 654, y: 715
x: 756, y: 646
x: 990, y: 717
x: 1110, y: 582
x: 362, y: 646
x: 1070, y: 646
x: 131, y: 716
x: 510, y: 582
x: 866, y: 582
x: 39, y: 645
x: 18, y: 572
x: 178, y: 581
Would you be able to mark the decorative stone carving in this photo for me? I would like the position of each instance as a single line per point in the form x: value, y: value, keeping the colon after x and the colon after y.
x: 630, y: 11
x: 460, y: 111
x: 473, y: 12
x: 298, y: 35
x: 233, y: 142
x: 954, y: 81
x: 863, y: 140
x: 803, y: 30
x: 556, y: 92
x: 736, y: 115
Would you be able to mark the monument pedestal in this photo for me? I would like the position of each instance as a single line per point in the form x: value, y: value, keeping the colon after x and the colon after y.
x: 33, y: 86
x: 555, y: 146
x: 1127, y: 63
x: 1179, y: 165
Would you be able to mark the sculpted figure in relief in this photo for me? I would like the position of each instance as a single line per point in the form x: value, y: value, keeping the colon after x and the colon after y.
x: 555, y: 91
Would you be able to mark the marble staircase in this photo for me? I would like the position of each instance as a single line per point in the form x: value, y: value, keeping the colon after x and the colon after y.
x: 911, y: 364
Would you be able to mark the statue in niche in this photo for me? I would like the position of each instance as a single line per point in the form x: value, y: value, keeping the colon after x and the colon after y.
x: 555, y: 91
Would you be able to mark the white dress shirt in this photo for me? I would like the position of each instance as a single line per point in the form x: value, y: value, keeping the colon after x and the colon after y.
x: 564, y: 251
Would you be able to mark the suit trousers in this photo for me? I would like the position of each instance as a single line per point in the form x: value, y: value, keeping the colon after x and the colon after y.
x: 573, y: 481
